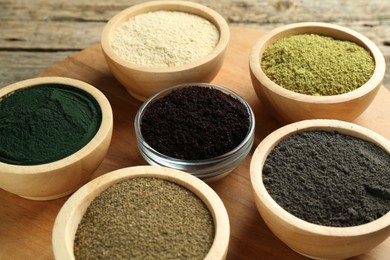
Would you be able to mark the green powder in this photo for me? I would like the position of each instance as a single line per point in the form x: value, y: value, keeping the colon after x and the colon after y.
x: 317, y: 65
x: 145, y: 218
x: 45, y: 123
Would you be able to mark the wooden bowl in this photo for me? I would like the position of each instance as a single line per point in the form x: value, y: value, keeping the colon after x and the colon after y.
x: 142, y: 82
x: 58, y: 178
x: 289, y: 106
x: 313, y: 240
x: 69, y: 217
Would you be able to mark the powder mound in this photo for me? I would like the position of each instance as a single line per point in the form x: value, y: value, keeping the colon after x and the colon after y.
x: 45, y: 123
x: 145, y: 218
x: 328, y: 178
x: 165, y: 39
x: 317, y: 65
x: 195, y: 123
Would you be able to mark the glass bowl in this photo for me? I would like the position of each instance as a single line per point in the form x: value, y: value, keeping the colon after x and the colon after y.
x: 208, y: 169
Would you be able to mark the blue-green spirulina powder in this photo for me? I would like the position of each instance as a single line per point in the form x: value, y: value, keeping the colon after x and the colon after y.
x: 46, y: 123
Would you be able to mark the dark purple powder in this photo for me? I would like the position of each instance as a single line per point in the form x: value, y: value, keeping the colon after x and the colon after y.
x: 328, y: 178
x: 195, y: 123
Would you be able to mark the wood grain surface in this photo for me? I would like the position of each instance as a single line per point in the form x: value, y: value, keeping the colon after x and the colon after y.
x: 26, y: 226
x: 36, y: 34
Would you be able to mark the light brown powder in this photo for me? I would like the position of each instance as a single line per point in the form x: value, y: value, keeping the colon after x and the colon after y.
x: 145, y: 218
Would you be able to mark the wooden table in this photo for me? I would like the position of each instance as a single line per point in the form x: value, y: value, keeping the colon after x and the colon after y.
x: 37, y: 34
x: 25, y: 226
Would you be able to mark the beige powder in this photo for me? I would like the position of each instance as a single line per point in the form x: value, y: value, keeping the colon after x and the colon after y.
x: 165, y: 39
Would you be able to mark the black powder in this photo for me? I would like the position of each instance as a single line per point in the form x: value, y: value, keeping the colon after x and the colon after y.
x: 195, y: 123
x: 328, y: 178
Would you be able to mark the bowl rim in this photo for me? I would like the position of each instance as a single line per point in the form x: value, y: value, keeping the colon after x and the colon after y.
x: 103, y: 131
x: 259, y: 191
x: 249, y: 136
x: 68, y: 218
x: 317, y: 28
x: 184, y: 6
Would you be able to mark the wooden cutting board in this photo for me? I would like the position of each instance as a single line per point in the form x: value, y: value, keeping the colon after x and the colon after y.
x: 25, y: 226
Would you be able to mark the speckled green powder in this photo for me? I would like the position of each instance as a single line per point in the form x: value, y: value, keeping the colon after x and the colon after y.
x: 317, y: 65
x: 45, y: 123
x: 145, y: 218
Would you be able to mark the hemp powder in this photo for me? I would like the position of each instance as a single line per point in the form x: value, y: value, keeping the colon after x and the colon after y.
x: 164, y: 39
x: 195, y: 123
x: 145, y: 218
x: 45, y: 123
x: 317, y: 65
x: 329, y: 178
